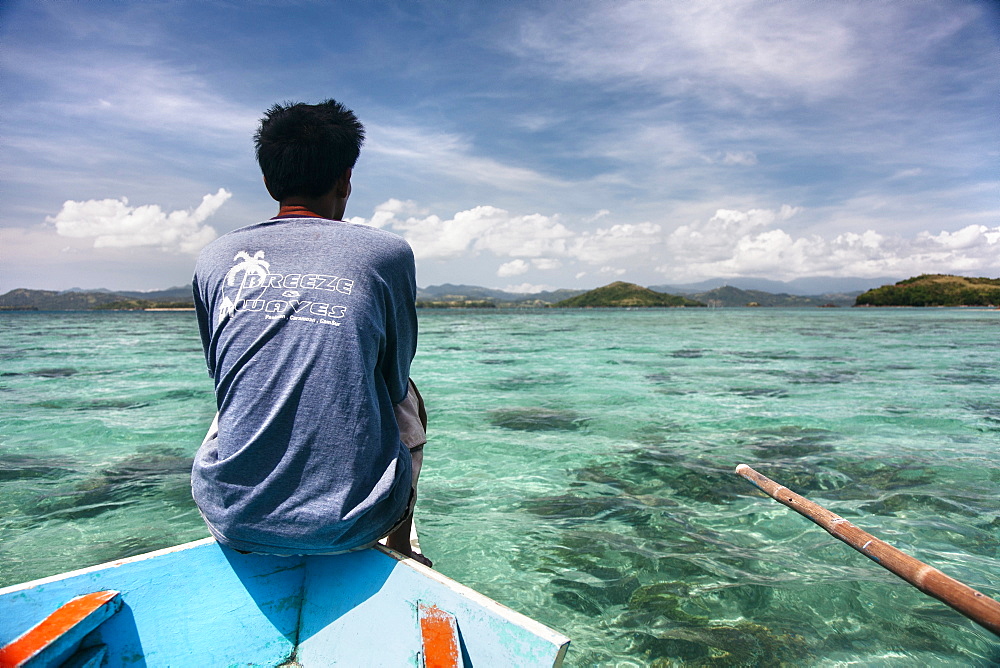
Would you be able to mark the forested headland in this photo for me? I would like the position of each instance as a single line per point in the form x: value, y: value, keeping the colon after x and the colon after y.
x: 935, y: 290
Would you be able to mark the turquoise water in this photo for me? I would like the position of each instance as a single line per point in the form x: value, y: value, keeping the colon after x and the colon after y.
x: 580, y: 468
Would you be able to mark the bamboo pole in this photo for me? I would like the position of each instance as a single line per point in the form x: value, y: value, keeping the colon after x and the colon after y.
x: 978, y: 607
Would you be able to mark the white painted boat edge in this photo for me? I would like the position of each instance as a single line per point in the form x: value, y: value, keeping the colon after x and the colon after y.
x: 486, y: 602
x: 108, y: 564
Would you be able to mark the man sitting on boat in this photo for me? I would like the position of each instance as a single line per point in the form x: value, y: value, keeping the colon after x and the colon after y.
x: 309, y: 327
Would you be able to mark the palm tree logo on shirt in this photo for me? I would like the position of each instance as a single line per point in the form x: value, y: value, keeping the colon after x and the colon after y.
x: 249, y: 266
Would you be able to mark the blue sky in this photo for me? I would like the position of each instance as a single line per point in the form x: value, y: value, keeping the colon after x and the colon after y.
x: 519, y: 145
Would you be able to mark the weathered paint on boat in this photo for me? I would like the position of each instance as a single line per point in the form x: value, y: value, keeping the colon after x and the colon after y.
x: 203, y: 604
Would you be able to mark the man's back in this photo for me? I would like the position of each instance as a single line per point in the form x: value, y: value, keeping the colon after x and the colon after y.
x: 309, y: 328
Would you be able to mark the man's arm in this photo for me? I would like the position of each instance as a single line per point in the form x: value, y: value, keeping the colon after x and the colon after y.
x: 401, y: 325
x: 202, y: 310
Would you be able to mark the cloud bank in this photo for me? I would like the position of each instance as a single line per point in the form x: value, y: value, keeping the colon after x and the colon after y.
x: 754, y: 242
x: 764, y: 250
x: 112, y: 223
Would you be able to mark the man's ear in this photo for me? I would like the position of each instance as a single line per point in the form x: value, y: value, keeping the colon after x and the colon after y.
x: 342, y: 187
x: 268, y: 187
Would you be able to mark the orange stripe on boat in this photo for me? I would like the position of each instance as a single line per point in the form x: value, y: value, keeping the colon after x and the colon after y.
x: 439, y: 633
x: 52, y: 627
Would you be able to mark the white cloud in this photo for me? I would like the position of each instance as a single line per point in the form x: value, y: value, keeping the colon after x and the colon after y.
x: 967, y: 238
x: 480, y: 229
x: 518, y: 266
x: 533, y: 235
x: 736, y: 243
x: 434, y: 238
x: 387, y: 211
x: 528, y: 288
x: 715, y: 239
x: 546, y: 263
x: 513, y: 268
x: 112, y: 223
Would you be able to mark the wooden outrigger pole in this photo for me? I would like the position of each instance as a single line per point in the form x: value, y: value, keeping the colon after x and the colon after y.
x: 978, y: 607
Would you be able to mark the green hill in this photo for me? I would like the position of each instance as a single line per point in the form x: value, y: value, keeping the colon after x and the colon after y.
x: 51, y: 300
x: 935, y: 290
x: 625, y: 295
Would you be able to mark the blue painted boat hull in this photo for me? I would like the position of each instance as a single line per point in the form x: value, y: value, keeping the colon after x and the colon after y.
x: 203, y: 604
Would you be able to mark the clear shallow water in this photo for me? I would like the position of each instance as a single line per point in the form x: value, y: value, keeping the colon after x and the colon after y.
x: 580, y: 468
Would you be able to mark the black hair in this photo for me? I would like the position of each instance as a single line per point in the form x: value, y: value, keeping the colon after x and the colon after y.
x: 302, y: 149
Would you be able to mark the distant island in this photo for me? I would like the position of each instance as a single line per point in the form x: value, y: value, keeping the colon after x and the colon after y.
x: 935, y: 290
x: 926, y: 290
x: 729, y: 296
x: 23, y: 299
x: 449, y: 295
x: 626, y: 295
